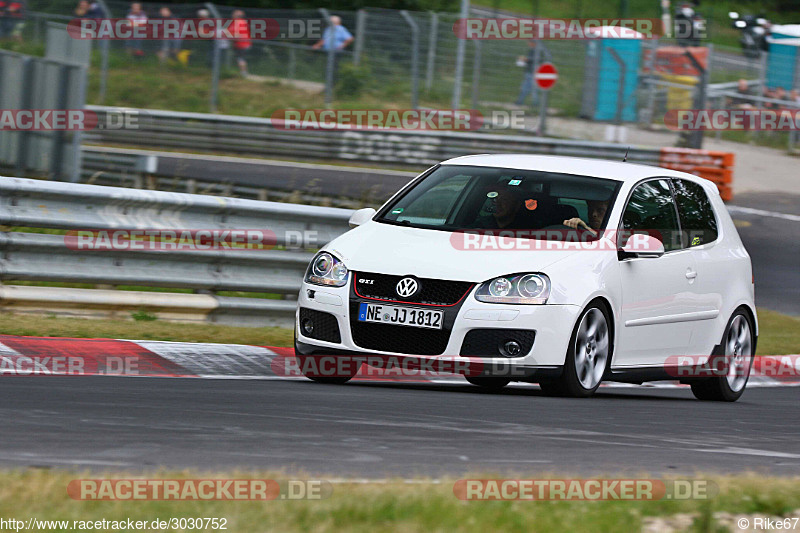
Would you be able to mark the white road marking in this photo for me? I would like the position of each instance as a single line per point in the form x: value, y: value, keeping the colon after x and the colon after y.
x: 762, y: 213
x: 364, y: 481
x: 751, y: 451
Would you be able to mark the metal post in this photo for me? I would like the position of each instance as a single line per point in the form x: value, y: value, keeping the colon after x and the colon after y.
x: 74, y: 173
x: 460, y: 50
x: 57, y: 138
x: 26, y: 101
x: 646, y: 118
x: 762, y: 78
x: 105, y: 50
x: 539, y: 57
x: 695, y: 138
x: 37, y: 28
x: 292, y: 62
x: 331, y: 63
x: 796, y: 73
x: 543, y: 113
x: 432, y: 37
x: 215, y: 62
x: 476, y: 74
x: 621, y: 90
x: 414, y: 58
x: 215, y: 58
x: 361, y: 28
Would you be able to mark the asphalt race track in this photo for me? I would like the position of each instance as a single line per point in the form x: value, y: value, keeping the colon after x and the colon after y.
x: 378, y: 430
x: 392, y: 429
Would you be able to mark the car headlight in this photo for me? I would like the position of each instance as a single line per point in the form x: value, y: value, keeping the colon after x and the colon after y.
x: 325, y: 269
x: 515, y: 289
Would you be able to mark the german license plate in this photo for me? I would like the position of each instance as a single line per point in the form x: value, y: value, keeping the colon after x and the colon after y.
x: 400, y: 316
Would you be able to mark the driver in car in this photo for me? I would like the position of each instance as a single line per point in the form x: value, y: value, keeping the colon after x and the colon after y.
x: 506, y: 205
x: 597, y: 212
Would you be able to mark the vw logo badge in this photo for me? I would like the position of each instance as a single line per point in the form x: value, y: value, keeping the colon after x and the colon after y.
x: 407, y: 287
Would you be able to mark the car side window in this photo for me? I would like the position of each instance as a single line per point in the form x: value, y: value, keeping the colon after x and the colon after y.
x: 651, y: 210
x: 698, y: 222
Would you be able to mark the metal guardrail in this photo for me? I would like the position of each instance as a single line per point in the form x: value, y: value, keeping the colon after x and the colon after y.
x: 294, y: 182
x: 264, y: 137
x: 261, y: 136
x: 55, y: 205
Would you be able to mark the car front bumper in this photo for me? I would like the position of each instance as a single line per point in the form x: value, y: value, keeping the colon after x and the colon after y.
x: 552, y: 324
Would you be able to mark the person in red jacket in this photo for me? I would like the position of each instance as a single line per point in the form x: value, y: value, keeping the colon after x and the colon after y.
x: 12, y: 14
x: 241, y: 40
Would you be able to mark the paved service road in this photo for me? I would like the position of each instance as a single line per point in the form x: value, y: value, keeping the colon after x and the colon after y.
x: 773, y: 241
x: 374, y: 430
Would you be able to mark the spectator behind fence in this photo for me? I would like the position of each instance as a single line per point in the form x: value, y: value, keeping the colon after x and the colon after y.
x: 241, y: 40
x: 219, y: 42
x: 88, y: 10
x: 138, y: 17
x: 743, y: 101
x: 335, y: 37
x: 528, y: 61
x: 170, y: 48
x: 12, y: 15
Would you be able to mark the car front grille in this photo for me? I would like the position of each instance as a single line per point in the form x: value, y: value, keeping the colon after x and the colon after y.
x: 400, y: 339
x: 432, y: 291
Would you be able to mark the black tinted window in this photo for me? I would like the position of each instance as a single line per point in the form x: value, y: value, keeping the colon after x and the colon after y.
x: 697, y: 216
x: 652, y: 210
x: 455, y: 197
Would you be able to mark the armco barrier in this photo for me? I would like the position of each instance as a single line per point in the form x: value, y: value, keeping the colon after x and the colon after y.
x: 264, y: 137
x: 712, y: 165
x: 45, y: 257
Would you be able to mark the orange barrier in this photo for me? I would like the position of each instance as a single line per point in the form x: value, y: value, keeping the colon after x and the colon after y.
x: 712, y: 165
x: 673, y: 60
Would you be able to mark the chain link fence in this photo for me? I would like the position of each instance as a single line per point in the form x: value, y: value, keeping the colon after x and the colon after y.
x: 409, y: 59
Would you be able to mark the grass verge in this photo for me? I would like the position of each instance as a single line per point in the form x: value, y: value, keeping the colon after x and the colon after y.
x: 779, y: 334
x: 391, y: 506
x: 51, y: 326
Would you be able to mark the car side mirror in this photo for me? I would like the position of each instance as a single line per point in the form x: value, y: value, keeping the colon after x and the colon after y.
x: 641, y: 245
x: 361, y: 216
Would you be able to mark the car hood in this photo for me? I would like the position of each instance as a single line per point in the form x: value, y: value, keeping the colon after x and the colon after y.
x: 426, y: 253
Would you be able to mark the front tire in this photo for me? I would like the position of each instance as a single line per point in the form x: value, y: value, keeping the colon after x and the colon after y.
x: 588, y: 356
x: 736, y: 361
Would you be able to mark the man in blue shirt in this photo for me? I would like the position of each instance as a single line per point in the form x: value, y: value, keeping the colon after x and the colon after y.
x: 335, y: 36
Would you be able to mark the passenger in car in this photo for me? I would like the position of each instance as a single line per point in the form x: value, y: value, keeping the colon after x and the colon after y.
x: 597, y: 213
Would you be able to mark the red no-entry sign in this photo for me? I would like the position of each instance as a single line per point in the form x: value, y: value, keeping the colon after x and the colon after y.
x: 546, y: 76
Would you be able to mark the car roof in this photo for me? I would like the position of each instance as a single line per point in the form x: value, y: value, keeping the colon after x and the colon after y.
x: 599, y: 168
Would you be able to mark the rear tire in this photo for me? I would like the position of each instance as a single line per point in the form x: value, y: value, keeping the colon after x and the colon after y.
x: 588, y: 356
x: 489, y: 383
x: 736, y: 361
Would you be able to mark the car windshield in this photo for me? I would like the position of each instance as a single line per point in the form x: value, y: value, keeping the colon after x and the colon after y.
x: 463, y: 198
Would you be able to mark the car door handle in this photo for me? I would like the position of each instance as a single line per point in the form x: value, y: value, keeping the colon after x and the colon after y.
x: 691, y: 274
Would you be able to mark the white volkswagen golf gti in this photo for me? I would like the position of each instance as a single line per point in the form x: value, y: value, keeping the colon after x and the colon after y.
x: 553, y: 270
